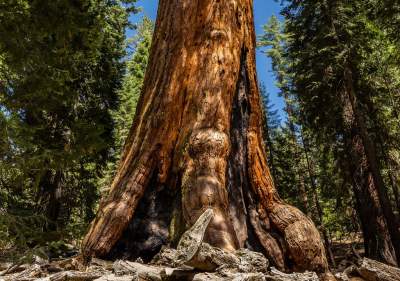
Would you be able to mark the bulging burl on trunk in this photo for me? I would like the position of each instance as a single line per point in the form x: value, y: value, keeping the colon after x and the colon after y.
x: 196, y: 144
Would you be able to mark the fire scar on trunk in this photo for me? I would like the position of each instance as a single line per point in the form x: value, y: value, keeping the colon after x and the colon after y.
x: 196, y: 143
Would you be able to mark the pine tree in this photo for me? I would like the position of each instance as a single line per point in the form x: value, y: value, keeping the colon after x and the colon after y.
x: 309, y: 156
x: 63, y: 63
x: 293, y: 180
x: 271, y: 127
x: 129, y: 93
x: 328, y: 47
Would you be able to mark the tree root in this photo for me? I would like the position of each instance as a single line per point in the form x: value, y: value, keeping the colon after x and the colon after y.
x: 194, y: 260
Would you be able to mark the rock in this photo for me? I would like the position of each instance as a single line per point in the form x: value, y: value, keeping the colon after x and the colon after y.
x: 75, y: 276
x: 251, y: 261
x: 341, y: 276
x: 107, y: 265
x: 166, y: 257
x: 327, y: 276
x: 230, y: 277
x: 276, y: 275
x: 177, y: 274
x: 192, y: 251
x: 209, y: 258
x: 138, y: 270
x: 14, y: 268
x: 30, y: 273
x: 139, y: 260
x: 5, y: 265
x: 61, y: 276
x: 372, y: 270
x: 143, y: 272
x: 207, y: 277
x: 113, y: 277
x: 192, y: 239
x: 39, y: 260
x: 248, y: 277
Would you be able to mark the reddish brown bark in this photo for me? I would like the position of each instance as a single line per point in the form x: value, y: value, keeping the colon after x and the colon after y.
x: 196, y: 143
x: 379, y: 225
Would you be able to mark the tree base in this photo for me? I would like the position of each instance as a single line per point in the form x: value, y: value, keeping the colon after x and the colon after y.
x: 196, y: 143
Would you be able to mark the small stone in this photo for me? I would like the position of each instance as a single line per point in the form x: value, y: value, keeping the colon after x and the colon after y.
x: 113, y: 277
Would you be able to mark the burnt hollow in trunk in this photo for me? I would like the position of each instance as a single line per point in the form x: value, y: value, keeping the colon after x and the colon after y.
x: 242, y: 200
x: 148, y: 230
x: 196, y: 143
x: 239, y: 191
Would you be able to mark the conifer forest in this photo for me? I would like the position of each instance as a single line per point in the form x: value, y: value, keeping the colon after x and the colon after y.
x: 184, y: 140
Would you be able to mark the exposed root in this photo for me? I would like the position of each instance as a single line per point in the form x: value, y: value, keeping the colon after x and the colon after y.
x: 195, y: 260
x: 302, y: 240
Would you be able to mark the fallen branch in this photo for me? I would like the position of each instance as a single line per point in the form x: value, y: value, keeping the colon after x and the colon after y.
x: 372, y: 270
x: 12, y: 269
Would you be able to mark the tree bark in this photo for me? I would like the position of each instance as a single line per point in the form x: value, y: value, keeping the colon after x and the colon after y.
x: 196, y: 143
x: 372, y: 270
x: 50, y: 197
x: 395, y: 186
x: 381, y: 238
x: 379, y: 226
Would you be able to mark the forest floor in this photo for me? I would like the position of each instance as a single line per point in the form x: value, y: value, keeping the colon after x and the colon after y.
x: 348, y: 258
x: 192, y: 260
x: 346, y: 253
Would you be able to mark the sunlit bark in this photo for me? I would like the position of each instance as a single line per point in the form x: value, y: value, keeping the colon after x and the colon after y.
x: 196, y: 143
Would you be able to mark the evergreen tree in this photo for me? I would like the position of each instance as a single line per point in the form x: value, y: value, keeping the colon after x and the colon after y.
x: 133, y: 80
x: 129, y: 93
x: 330, y: 42
x: 61, y: 67
x: 271, y: 126
x: 307, y: 170
x: 290, y: 178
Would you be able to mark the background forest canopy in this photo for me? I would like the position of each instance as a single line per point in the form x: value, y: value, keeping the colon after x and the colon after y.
x: 70, y: 80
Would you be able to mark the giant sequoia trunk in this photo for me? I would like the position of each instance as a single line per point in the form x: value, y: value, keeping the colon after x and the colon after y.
x: 196, y: 143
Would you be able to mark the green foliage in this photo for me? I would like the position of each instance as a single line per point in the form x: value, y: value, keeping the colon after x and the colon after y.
x: 129, y: 93
x: 133, y: 80
x: 329, y: 40
x: 271, y: 125
x: 61, y: 67
x: 304, y: 167
x: 276, y: 40
x: 319, y: 43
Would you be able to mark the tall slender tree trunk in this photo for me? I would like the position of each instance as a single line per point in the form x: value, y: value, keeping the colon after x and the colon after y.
x: 197, y: 141
x: 373, y: 162
x: 304, y: 196
x: 395, y: 186
x: 297, y: 153
x: 320, y: 212
x: 391, y: 173
x: 379, y: 225
x: 268, y: 138
x: 50, y: 197
x: 384, y: 150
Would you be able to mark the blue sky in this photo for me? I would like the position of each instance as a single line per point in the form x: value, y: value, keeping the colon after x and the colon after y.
x: 263, y: 9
